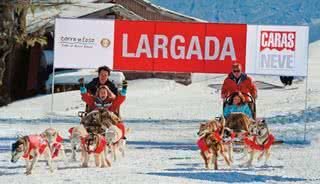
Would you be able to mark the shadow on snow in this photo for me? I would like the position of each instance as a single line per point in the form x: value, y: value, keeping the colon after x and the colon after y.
x: 228, y: 177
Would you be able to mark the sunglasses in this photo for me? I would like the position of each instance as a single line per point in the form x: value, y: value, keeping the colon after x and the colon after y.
x: 236, y: 71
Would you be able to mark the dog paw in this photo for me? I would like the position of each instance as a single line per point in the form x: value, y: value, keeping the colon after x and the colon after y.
x: 72, y: 159
x: 245, y: 165
x: 27, y: 172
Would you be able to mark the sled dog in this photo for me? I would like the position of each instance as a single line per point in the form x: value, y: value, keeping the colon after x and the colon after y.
x: 76, y: 133
x: 259, y: 140
x: 55, y: 142
x: 210, y: 142
x: 31, y: 148
x: 96, y: 144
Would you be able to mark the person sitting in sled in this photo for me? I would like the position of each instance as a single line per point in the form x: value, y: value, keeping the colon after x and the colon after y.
x: 106, y: 99
x: 102, y: 79
x: 237, y: 104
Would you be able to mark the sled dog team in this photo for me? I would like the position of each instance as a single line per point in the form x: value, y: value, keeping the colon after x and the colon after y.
x: 101, y: 130
x: 49, y: 145
x: 217, y: 137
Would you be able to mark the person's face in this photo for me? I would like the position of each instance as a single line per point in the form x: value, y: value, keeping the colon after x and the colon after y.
x: 103, y: 94
x: 103, y: 76
x: 236, y: 100
x: 236, y: 72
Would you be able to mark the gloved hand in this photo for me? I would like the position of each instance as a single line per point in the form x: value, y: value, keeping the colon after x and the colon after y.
x: 124, y: 84
x: 81, y: 81
x: 83, y: 90
x: 123, y: 91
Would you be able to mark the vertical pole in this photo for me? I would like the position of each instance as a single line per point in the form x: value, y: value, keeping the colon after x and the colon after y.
x: 52, y: 93
x: 306, y: 93
x: 306, y: 106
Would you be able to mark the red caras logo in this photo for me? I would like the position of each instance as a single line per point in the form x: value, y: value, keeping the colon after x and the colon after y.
x: 278, y: 40
x: 277, y: 50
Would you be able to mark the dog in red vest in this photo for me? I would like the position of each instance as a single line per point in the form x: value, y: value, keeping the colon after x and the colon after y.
x: 94, y: 144
x: 55, y: 143
x: 259, y: 139
x: 210, y: 142
x: 30, y: 148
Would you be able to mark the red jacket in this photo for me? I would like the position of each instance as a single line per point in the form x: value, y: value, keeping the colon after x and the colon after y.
x: 90, y: 100
x: 245, y: 86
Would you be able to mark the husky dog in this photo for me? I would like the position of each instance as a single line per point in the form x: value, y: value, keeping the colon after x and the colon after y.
x: 210, y: 142
x: 55, y: 142
x: 259, y: 140
x: 238, y: 122
x: 116, y: 141
x: 227, y: 141
x: 115, y: 133
x: 31, y: 148
x: 96, y: 144
x: 76, y: 134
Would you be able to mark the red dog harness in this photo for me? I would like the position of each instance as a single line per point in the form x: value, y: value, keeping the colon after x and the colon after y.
x: 202, y: 143
x: 253, y: 145
x: 100, y: 147
x: 121, y: 126
x: 57, y: 146
x: 35, y: 142
x: 70, y: 130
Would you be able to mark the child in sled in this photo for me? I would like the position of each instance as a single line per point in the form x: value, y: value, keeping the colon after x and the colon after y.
x: 105, y: 99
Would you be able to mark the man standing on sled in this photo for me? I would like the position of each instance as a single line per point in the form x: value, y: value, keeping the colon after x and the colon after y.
x: 237, y: 81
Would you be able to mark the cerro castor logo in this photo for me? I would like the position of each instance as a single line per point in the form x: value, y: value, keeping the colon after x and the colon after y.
x: 105, y: 42
x: 77, y: 42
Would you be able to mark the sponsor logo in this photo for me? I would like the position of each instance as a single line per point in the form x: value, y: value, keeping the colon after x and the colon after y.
x: 277, y: 50
x: 77, y: 42
x: 105, y: 42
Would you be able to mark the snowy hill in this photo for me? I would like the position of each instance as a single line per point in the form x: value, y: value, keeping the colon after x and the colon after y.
x: 285, y: 12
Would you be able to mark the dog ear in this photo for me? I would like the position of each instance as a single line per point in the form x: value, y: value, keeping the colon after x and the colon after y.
x: 19, y: 136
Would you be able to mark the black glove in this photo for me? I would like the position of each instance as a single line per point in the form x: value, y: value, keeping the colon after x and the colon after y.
x: 81, y: 81
x: 124, y: 84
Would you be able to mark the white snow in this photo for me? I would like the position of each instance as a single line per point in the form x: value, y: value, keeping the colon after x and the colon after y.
x: 164, y: 117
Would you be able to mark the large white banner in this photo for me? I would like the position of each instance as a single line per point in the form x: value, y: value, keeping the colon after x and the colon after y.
x: 277, y: 50
x: 265, y: 50
x: 83, y: 43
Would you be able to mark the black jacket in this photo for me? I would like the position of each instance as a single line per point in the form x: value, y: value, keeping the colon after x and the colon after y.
x: 94, y: 85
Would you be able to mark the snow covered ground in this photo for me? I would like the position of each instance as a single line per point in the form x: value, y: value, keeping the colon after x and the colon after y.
x: 163, y: 117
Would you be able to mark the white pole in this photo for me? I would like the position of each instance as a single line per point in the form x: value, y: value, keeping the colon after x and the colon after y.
x: 306, y: 97
x: 52, y: 93
x: 306, y: 106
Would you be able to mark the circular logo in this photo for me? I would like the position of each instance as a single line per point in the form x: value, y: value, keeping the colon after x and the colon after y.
x: 105, y: 42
